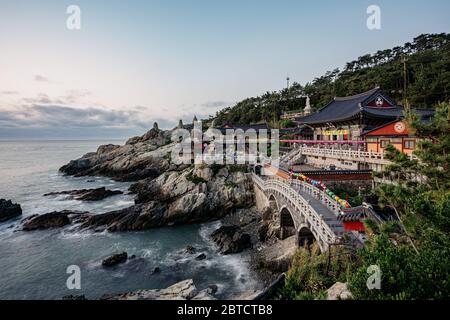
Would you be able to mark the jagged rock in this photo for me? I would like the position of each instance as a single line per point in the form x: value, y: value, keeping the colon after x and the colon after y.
x: 201, y: 257
x: 277, y: 257
x: 87, y: 194
x: 204, y: 173
x: 115, y: 259
x: 263, y: 231
x: 156, y: 270
x: 267, y: 214
x: 212, y: 289
x: 166, y: 194
x: 184, y: 290
x: 140, y: 158
x: 172, y: 199
x: 339, y: 291
x: 203, y: 295
x: 9, y: 210
x: 231, y: 240
x: 51, y: 220
x: 247, y: 295
x: 135, y: 218
x: 190, y: 249
x: 74, y: 297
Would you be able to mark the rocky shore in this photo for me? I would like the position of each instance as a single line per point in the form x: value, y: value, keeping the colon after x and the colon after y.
x: 167, y: 194
x: 86, y: 194
x: 139, y: 158
x: 9, y: 210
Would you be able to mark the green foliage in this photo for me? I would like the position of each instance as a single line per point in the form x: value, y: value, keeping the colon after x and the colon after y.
x: 355, y: 196
x: 168, y: 156
x: 405, y: 274
x: 194, y: 178
x: 230, y: 184
x: 237, y: 168
x: 312, y: 273
x: 414, y: 254
x: 215, y: 168
x: 287, y: 124
x: 428, y: 74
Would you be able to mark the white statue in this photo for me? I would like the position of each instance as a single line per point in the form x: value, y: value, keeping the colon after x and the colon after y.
x: 308, y: 108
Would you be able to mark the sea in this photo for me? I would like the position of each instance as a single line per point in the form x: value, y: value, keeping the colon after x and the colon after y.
x: 35, y: 265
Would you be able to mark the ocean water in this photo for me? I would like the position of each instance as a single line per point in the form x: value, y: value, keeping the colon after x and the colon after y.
x: 33, y: 264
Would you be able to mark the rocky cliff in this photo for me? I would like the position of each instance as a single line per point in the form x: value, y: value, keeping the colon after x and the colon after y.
x: 166, y: 194
x: 139, y: 158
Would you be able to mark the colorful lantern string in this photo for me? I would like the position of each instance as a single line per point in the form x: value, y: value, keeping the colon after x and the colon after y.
x: 315, y: 183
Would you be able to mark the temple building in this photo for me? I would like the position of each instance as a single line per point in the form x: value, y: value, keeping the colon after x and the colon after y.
x: 395, y: 133
x: 350, y: 118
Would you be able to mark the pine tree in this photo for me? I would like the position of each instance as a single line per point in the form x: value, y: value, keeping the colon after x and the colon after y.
x: 414, y: 253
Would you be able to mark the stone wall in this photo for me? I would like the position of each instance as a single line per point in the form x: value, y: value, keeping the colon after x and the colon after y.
x: 261, y: 200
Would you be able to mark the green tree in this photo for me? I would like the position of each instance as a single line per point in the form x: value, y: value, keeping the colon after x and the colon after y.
x: 414, y: 256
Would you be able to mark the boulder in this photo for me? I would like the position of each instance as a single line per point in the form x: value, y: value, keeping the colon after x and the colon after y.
x: 277, y: 257
x: 115, y: 259
x: 87, y: 194
x: 156, y: 270
x: 247, y: 295
x: 204, y: 295
x: 174, y: 199
x: 339, y: 291
x: 263, y: 231
x: 51, y: 220
x: 140, y: 158
x: 267, y: 214
x: 212, y: 289
x: 190, y: 249
x: 74, y: 297
x: 231, y: 240
x: 201, y: 256
x: 136, y: 218
x: 184, y: 290
x: 9, y: 210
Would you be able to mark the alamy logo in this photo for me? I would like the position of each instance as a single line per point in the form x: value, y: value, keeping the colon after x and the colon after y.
x: 374, y: 19
x: 226, y: 146
x: 74, y: 280
x: 374, y: 280
x: 73, y: 22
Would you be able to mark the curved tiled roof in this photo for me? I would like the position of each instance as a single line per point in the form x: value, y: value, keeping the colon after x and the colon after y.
x: 346, y: 108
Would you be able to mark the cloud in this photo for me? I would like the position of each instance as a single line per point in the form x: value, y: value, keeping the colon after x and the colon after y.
x: 72, y: 115
x: 61, y: 122
x: 9, y: 92
x: 61, y: 116
x: 40, y: 78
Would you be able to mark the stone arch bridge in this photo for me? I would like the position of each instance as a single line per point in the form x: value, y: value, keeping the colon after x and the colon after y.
x: 302, y: 210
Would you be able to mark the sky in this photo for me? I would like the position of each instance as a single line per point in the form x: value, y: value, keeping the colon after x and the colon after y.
x: 135, y: 62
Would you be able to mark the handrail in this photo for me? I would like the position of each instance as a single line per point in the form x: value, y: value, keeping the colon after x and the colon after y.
x: 339, y: 153
x: 320, y: 195
x: 314, y: 219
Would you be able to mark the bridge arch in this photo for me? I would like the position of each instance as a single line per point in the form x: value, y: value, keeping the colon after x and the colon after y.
x: 258, y: 169
x: 273, y: 203
x: 296, y: 215
x: 287, y: 224
x: 305, y: 236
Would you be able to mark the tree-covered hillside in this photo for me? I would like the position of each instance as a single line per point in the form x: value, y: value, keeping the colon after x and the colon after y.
x: 413, y: 252
x: 427, y: 74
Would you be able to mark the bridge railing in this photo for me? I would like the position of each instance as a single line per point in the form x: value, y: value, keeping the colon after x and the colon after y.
x: 318, y: 194
x: 379, y: 157
x: 315, y: 192
x: 316, y: 222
